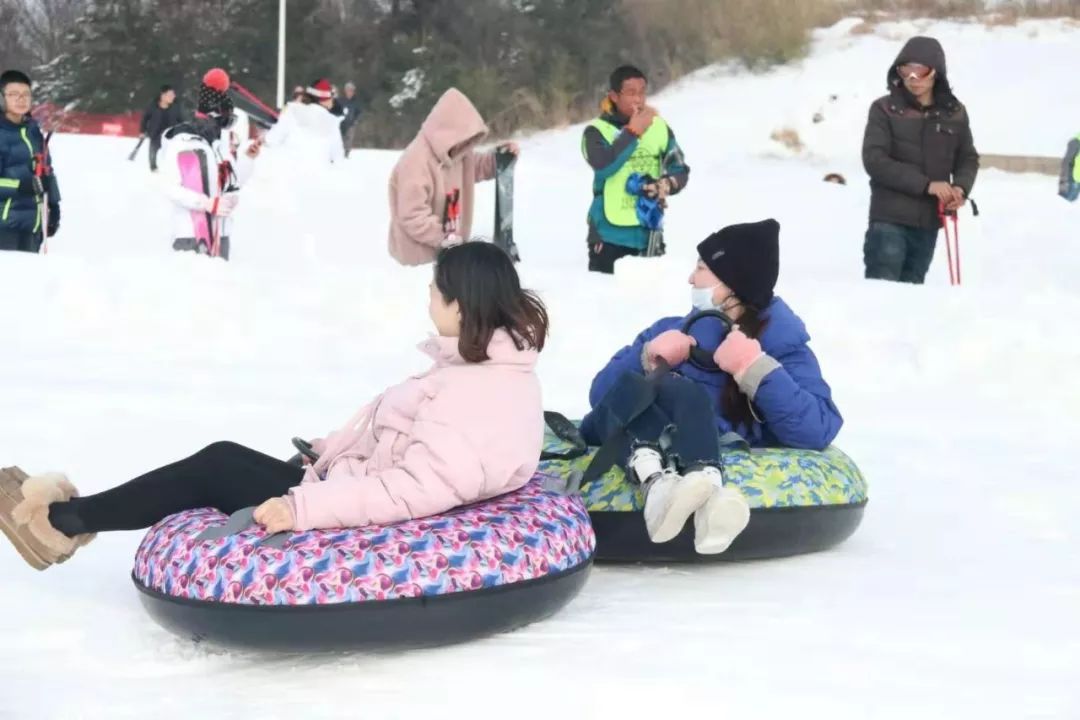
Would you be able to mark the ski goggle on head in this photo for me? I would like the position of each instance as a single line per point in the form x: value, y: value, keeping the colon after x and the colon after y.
x: 914, y: 71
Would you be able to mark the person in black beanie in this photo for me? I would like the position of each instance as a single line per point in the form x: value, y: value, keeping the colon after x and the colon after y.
x: 204, y: 164
x: 763, y: 384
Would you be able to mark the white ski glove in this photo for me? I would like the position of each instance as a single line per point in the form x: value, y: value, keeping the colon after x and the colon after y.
x: 451, y: 240
x: 223, y: 205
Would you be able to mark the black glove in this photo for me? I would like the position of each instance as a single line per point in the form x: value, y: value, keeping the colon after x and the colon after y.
x: 31, y: 186
x: 54, y: 220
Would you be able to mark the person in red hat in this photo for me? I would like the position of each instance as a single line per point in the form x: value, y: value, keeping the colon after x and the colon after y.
x: 203, y: 167
x: 310, y: 124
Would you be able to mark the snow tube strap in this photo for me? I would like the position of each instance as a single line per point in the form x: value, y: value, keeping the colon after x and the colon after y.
x: 238, y: 522
x: 567, y: 432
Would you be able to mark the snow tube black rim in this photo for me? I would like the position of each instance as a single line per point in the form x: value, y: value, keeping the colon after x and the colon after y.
x: 772, y: 533
x: 399, y: 624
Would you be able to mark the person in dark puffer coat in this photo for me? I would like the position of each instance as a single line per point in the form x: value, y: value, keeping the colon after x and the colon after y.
x: 22, y: 192
x: 919, y: 152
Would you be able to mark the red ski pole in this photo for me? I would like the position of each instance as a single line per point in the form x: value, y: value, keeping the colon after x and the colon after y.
x: 956, y: 242
x: 42, y: 172
x: 954, y: 270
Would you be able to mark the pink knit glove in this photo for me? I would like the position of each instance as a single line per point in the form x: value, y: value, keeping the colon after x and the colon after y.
x: 671, y: 345
x: 737, y: 353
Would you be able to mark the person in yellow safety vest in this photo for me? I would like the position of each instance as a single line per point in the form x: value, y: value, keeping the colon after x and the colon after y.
x: 629, y: 137
x: 1069, y: 187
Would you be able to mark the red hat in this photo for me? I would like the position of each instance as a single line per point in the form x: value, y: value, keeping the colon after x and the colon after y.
x: 216, y: 79
x: 213, y: 95
x: 320, y: 89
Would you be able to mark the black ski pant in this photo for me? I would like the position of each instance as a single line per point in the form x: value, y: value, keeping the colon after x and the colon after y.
x: 602, y: 255
x: 223, y: 475
x: 155, y: 147
x: 20, y: 240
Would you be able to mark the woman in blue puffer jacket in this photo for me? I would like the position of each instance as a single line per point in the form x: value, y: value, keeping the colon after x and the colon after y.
x: 24, y: 192
x: 767, y: 389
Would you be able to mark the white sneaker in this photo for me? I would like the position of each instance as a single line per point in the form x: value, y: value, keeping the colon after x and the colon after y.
x: 670, y: 499
x: 723, y: 516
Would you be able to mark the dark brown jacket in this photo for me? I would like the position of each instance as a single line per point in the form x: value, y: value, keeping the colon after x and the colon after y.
x: 907, y: 146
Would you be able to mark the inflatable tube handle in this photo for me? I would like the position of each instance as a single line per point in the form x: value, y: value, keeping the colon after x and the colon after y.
x: 305, y: 449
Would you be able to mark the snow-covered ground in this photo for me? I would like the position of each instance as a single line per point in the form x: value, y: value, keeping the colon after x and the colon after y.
x: 958, y: 597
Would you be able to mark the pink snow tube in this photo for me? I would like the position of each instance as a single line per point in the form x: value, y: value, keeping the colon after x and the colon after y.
x: 480, y: 569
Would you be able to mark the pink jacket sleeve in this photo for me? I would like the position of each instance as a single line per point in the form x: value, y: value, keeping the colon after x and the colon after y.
x: 413, y: 204
x: 485, y: 166
x: 439, y: 471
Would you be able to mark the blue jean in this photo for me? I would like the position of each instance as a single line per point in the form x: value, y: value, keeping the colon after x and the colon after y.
x: 679, y: 403
x: 898, y: 252
x: 1072, y: 191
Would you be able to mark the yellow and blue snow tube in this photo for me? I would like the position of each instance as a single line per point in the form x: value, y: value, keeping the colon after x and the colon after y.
x: 801, y: 501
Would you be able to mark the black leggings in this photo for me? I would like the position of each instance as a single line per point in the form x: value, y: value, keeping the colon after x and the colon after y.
x: 223, y: 475
x: 20, y: 240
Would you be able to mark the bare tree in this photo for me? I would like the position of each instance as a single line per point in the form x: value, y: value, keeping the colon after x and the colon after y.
x: 43, y: 26
x: 13, y: 52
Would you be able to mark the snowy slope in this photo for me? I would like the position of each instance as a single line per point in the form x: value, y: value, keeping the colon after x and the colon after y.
x: 957, y: 598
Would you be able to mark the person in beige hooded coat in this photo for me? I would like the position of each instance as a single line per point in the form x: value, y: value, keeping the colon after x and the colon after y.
x: 437, y: 166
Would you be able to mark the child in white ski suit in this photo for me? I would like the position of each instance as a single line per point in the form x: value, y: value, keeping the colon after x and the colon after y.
x: 202, y: 167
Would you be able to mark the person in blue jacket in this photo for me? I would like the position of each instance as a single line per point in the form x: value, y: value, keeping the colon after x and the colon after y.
x: 23, y: 192
x: 766, y: 388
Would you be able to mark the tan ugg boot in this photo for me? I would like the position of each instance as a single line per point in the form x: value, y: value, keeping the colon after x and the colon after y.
x: 11, y: 480
x: 26, y: 523
x: 33, y: 552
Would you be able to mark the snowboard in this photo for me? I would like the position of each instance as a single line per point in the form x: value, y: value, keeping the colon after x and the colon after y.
x: 504, y: 203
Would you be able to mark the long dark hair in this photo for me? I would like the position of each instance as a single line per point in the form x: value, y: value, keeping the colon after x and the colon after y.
x: 482, y: 279
x: 734, y: 405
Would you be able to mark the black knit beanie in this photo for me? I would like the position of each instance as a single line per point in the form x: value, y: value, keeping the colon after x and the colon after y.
x: 746, y: 258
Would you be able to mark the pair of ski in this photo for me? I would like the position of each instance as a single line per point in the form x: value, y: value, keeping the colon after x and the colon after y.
x: 195, y: 175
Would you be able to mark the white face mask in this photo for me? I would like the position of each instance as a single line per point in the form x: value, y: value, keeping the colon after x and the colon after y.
x: 701, y: 298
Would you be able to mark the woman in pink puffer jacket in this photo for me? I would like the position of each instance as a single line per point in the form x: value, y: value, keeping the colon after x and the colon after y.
x: 468, y: 429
